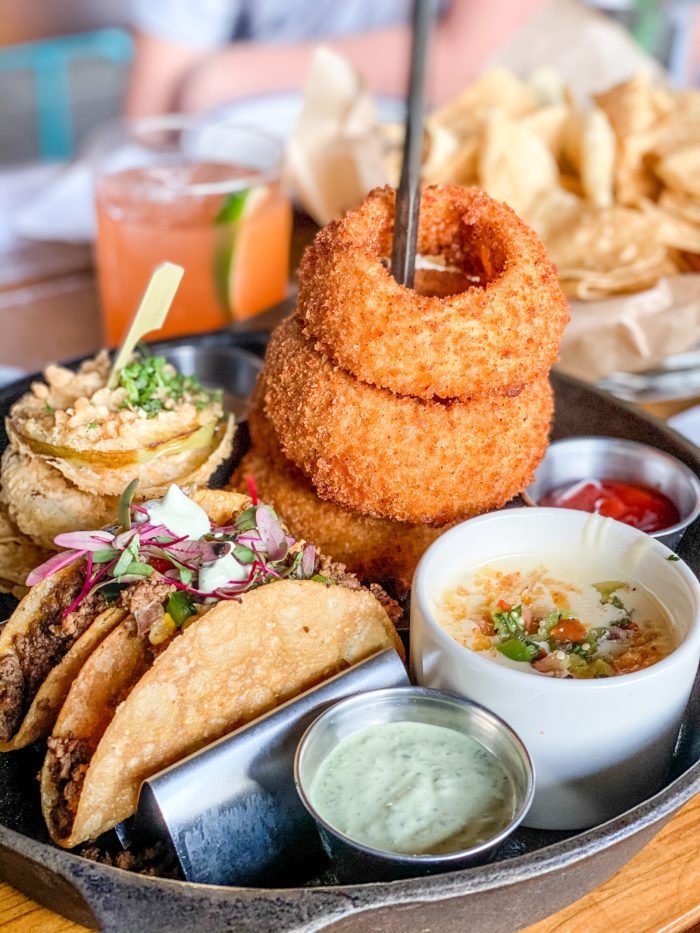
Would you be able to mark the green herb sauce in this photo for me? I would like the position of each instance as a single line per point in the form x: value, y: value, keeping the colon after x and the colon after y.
x: 413, y: 788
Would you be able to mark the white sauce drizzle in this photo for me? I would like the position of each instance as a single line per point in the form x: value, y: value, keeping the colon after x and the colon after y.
x: 179, y: 514
x: 220, y: 572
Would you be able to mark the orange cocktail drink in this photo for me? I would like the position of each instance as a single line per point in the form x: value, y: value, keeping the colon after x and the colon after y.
x: 227, y: 221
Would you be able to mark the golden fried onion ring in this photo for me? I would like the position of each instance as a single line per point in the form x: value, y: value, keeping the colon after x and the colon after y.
x: 394, y: 456
x: 374, y: 549
x: 493, y: 338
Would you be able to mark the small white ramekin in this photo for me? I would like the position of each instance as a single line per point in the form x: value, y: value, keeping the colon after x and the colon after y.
x: 598, y: 746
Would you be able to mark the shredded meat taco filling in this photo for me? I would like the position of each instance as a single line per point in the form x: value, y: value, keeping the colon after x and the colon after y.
x: 39, y: 650
x: 71, y: 757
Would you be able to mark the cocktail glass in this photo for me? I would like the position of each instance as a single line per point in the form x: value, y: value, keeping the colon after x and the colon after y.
x: 205, y: 194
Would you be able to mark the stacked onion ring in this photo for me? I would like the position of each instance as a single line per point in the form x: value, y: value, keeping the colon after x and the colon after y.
x: 412, y: 408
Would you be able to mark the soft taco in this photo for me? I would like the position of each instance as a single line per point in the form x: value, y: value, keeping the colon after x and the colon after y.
x: 206, y: 645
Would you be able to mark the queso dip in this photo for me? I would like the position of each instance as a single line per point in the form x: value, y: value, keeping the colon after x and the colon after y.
x: 557, y: 619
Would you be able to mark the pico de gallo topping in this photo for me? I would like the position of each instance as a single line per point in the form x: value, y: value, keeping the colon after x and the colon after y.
x: 555, y: 627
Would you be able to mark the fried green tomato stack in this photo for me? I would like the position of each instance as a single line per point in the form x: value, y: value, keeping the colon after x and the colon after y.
x: 75, y: 444
x: 395, y: 411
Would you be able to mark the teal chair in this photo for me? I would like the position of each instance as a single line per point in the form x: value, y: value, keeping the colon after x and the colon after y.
x: 50, y: 61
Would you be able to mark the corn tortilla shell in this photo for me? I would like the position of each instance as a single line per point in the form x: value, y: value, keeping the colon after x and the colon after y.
x: 40, y: 599
x: 235, y: 663
x: 22, y: 618
x: 51, y: 695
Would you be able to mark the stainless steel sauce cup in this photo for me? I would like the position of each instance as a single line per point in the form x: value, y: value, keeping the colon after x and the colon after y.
x: 355, y: 862
x: 612, y: 458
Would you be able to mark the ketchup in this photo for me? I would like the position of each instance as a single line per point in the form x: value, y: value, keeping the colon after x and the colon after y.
x: 643, y: 508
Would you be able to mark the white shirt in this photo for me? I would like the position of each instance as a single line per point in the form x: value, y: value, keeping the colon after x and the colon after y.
x: 211, y: 23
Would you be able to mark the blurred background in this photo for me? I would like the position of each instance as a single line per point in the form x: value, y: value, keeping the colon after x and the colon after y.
x: 68, y: 66
x: 64, y: 65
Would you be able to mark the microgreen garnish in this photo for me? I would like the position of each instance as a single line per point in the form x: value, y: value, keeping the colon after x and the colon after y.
x: 125, y: 500
x: 673, y: 557
x: 49, y: 408
x: 251, y: 489
x: 92, y: 425
x: 137, y: 549
x: 153, y: 385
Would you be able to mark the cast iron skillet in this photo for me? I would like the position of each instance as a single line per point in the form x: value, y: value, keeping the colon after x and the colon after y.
x: 533, y: 875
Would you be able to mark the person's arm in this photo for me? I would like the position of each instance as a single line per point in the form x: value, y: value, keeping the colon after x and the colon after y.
x: 167, y: 76
x: 245, y: 68
x: 465, y: 38
x: 157, y: 73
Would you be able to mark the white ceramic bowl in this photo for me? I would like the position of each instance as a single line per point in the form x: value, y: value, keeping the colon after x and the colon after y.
x: 598, y: 746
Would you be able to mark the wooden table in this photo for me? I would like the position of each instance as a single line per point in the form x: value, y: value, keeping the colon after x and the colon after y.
x: 51, y: 296
x: 657, y: 892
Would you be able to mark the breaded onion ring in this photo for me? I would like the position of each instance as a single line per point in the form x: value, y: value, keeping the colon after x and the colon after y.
x: 375, y: 549
x: 493, y: 338
x: 395, y: 456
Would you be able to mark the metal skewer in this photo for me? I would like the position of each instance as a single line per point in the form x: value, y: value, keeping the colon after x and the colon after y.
x: 407, y: 213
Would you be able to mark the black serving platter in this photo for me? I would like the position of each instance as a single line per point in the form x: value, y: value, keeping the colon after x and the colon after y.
x: 534, y: 874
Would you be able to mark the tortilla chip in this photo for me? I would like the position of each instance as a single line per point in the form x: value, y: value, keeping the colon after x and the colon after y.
x: 634, y: 175
x: 680, y: 169
x: 682, y: 205
x: 495, y: 89
x: 684, y: 261
x: 555, y: 210
x: 460, y: 167
x: 604, y: 241
x: 632, y: 106
x: 594, y: 148
x: 547, y: 86
x: 671, y: 228
x: 515, y: 165
x: 549, y: 124
x: 235, y: 663
x: 594, y: 286
x: 534, y: 147
x: 440, y: 144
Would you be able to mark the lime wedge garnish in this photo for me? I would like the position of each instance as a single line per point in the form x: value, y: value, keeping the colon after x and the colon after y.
x: 236, y: 207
